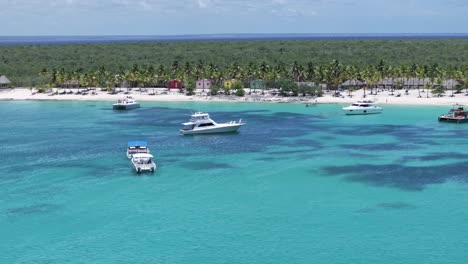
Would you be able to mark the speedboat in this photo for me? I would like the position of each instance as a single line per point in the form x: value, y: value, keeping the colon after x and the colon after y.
x: 201, y: 123
x: 126, y: 104
x: 362, y: 108
x: 143, y: 162
x: 456, y: 115
x: 135, y: 147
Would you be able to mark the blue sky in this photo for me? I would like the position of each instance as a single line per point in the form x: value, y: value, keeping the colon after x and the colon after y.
x: 176, y: 17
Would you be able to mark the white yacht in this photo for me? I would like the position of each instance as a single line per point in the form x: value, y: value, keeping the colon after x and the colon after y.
x: 362, y: 108
x: 143, y: 162
x: 126, y: 104
x: 201, y: 123
x: 135, y: 147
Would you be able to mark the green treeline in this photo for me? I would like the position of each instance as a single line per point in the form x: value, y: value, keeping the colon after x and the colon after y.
x: 23, y: 64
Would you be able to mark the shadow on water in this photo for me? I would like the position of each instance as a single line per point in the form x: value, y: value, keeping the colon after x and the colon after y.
x: 411, y: 178
x: 206, y: 165
x: 406, y: 134
x: 42, y: 208
x: 380, y: 147
x: 387, y: 206
x: 436, y: 157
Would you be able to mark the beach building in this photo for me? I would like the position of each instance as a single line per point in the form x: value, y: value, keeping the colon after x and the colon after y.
x: 71, y: 84
x: 175, y: 84
x: 204, y: 84
x: 125, y: 84
x: 4, y: 82
x: 257, y: 84
x: 309, y: 84
x: 352, y: 83
x: 451, y: 83
x: 229, y: 83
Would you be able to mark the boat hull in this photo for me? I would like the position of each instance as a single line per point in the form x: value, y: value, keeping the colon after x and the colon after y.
x: 140, y: 168
x: 453, y: 120
x: 125, y: 107
x: 362, y: 111
x: 214, y: 130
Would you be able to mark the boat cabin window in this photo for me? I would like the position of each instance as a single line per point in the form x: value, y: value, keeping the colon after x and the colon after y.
x: 206, y: 124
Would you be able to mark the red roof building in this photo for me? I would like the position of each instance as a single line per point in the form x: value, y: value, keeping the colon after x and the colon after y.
x: 175, y: 84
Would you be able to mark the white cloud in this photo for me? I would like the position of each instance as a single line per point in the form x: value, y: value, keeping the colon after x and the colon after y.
x: 161, y: 6
x: 203, y: 3
x: 31, y: 16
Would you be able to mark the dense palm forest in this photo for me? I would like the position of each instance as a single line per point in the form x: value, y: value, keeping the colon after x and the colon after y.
x: 153, y: 64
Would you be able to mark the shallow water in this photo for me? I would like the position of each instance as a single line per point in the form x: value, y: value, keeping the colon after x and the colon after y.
x: 296, y: 185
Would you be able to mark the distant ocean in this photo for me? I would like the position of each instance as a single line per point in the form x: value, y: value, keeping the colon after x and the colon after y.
x: 46, y: 40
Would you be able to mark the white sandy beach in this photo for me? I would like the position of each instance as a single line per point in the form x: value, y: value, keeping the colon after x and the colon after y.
x: 162, y: 95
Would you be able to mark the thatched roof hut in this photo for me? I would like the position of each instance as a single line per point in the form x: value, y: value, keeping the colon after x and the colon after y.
x: 450, y: 83
x: 352, y: 83
x: 4, y: 81
x: 71, y: 84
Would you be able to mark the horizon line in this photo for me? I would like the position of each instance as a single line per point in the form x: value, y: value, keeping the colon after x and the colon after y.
x: 249, y: 34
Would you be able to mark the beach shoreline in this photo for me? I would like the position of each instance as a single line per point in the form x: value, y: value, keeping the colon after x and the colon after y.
x: 163, y: 95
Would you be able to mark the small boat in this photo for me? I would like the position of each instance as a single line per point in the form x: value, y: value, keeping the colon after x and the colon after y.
x: 126, y: 104
x: 135, y: 147
x: 201, y: 123
x: 457, y: 114
x: 363, y: 108
x: 143, y: 162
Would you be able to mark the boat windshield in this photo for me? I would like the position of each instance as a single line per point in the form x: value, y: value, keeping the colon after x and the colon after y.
x: 134, y: 150
x: 143, y: 161
x: 206, y: 124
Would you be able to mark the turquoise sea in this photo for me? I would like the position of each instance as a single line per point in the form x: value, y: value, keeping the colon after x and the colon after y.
x: 296, y: 185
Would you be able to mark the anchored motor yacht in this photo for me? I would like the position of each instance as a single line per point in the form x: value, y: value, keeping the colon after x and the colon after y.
x: 362, y: 108
x: 126, y: 104
x: 201, y: 123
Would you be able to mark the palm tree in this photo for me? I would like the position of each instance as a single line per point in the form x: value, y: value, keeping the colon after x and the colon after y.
x: 335, y: 74
x: 263, y: 70
x: 297, y: 72
x: 440, y: 78
x: 161, y: 75
x: 382, y: 70
x: 175, y: 70
x: 433, y: 72
x: 400, y: 72
x: 310, y: 72
x: 60, y: 77
x: 421, y: 75
x: 199, y: 73
x: 371, y: 78
x: 321, y: 73
x: 448, y: 75
x: 412, y: 73
x: 187, y: 71
x: 235, y: 71
x: 351, y: 73
x: 461, y: 75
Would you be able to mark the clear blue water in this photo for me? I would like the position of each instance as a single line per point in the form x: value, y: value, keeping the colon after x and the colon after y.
x: 47, y: 40
x: 296, y: 185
